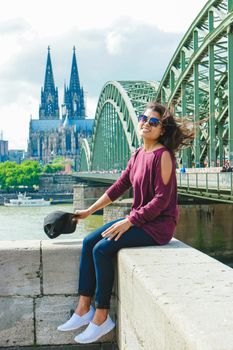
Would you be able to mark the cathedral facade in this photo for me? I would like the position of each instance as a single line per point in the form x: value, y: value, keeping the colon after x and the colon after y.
x: 53, y: 135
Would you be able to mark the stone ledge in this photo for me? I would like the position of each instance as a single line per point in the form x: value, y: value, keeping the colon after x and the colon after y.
x: 39, y: 292
x: 175, y: 297
x: 20, y: 268
x: 99, y: 346
x: 60, y: 261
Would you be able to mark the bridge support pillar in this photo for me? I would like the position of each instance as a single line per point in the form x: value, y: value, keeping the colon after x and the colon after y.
x: 85, y: 195
x: 118, y: 209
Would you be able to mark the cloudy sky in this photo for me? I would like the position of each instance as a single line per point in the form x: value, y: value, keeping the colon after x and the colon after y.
x: 120, y: 40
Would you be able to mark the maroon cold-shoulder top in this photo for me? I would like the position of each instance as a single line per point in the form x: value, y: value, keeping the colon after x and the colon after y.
x: 154, y: 207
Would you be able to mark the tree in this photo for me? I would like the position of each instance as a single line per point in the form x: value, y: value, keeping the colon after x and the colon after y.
x: 13, y: 175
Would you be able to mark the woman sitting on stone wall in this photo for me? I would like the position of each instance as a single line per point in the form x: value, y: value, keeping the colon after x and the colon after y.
x: 151, y: 171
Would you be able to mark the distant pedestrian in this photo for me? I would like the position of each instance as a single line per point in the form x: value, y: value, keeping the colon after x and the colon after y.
x: 223, y: 170
x: 183, y: 170
x: 151, y: 171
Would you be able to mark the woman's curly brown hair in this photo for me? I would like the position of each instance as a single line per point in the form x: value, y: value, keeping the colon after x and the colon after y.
x: 177, y: 132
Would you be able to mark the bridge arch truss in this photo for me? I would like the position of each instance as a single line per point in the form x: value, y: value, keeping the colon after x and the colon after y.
x: 198, y: 83
x: 115, y: 133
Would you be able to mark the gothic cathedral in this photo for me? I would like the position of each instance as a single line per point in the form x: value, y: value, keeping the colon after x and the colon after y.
x: 51, y: 136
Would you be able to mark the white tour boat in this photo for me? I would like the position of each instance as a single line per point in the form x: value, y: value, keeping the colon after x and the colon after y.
x: 24, y: 201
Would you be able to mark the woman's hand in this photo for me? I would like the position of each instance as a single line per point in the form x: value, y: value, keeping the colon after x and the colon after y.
x: 81, y: 214
x: 117, y: 229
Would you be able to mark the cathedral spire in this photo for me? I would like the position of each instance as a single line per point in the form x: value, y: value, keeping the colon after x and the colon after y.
x: 49, y: 80
x: 74, y: 76
x: 74, y: 95
x: 49, y: 108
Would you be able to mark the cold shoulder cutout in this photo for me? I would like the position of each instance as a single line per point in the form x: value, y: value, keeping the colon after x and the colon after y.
x: 166, y: 167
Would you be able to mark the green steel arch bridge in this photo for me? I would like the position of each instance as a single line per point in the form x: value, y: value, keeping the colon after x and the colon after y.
x: 198, y: 84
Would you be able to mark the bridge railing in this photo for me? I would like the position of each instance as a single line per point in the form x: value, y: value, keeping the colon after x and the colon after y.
x: 216, y: 186
x: 220, y: 184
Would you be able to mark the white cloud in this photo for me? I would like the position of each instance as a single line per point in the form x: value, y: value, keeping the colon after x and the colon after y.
x: 114, y: 43
x: 53, y: 17
x: 16, y: 121
x: 11, y: 48
x: 91, y: 103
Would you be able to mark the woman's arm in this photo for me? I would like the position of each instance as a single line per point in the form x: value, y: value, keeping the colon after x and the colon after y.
x: 163, y: 191
x: 112, y: 193
x: 121, y: 185
x: 102, y: 202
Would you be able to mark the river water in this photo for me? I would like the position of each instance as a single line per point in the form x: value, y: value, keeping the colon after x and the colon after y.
x: 27, y: 223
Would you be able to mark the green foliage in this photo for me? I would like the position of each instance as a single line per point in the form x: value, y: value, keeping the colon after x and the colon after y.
x: 53, y: 168
x: 13, y: 175
x: 58, y: 160
x: 62, y: 161
x: 57, y: 165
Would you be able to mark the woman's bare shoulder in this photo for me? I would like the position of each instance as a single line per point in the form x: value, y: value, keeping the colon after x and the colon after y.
x: 166, y: 166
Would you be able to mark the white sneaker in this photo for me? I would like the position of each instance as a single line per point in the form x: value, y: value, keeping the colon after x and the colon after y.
x: 93, y: 332
x: 77, y: 321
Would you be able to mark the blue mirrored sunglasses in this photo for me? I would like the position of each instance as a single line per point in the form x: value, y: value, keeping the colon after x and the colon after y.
x: 151, y: 121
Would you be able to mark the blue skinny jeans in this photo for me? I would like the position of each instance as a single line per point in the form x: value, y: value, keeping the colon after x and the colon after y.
x: 96, y: 262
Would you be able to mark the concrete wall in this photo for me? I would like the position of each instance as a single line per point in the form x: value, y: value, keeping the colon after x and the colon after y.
x: 173, y: 298
x: 116, y: 210
x: 57, y: 183
x: 38, y: 291
x: 207, y: 227
x: 168, y: 298
x: 86, y: 195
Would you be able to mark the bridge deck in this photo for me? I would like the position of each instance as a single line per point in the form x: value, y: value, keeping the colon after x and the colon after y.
x: 214, y: 186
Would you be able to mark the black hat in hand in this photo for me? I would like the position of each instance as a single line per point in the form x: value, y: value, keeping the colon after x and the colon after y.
x: 59, y: 222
